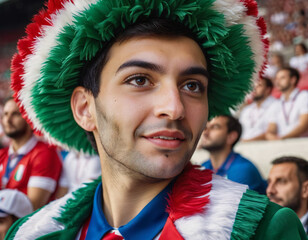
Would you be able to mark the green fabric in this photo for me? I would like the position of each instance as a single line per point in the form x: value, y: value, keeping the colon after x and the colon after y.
x: 74, y: 214
x: 259, y: 219
x: 231, y: 59
x: 249, y: 214
x: 280, y: 224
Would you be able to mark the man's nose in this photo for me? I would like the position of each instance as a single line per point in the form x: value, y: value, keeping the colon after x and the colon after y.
x: 270, y: 190
x: 169, y: 103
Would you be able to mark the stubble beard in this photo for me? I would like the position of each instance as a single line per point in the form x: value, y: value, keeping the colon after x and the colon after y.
x: 214, y: 147
x: 16, y: 134
x: 295, y: 202
x: 129, y: 161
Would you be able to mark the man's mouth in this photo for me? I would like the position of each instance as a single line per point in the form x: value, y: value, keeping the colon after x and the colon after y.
x: 166, y: 139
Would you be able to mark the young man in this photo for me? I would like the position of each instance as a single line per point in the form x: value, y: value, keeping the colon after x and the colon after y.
x: 27, y: 165
x: 288, y: 186
x: 138, y: 77
x: 219, y: 138
x: 290, y: 119
x: 13, y: 205
x: 255, y: 117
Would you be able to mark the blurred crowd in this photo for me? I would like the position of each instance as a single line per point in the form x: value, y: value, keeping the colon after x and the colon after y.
x: 276, y: 109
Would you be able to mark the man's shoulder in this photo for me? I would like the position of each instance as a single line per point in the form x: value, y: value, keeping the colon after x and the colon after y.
x: 58, y: 219
x: 280, y: 223
x: 4, y: 153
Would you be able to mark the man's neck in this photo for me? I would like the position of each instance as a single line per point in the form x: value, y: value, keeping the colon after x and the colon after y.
x: 260, y: 101
x: 125, y: 196
x: 19, y: 142
x: 303, y: 209
x: 219, y: 157
x: 287, y: 93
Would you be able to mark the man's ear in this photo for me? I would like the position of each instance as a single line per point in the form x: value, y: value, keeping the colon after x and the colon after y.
x: 82, y: 105
x: 232, y: 136
x: 305, y: 189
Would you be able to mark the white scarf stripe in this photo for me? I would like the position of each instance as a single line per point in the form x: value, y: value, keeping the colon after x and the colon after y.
x: 216, y: 223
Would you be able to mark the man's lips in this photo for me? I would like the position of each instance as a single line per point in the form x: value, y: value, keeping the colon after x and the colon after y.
x: 166, y: 139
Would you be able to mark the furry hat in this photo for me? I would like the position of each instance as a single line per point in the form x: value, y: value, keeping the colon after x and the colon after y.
x: 68, y: 33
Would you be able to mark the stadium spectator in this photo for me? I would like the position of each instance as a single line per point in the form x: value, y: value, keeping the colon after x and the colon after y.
x: 300, y: 60
x: 290, y: 118
x: 28, y: 165
x: 77, y: 169
x: 13, y: 205
x: 255, y: 117
x: 276, y: 61
x: 288, y: 185
x: 219, y: 138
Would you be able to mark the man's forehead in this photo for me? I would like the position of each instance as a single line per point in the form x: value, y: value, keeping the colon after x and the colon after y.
x: 288, y: 170
x: 10, y: 105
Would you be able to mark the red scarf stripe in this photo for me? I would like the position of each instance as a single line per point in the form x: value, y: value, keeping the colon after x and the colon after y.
x: 185, y: 199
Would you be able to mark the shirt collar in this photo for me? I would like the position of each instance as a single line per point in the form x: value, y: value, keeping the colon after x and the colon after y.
x: 292, y: 95
x: 222, y: 171
x: 304, y: 219
x: 146, y: 225
x: 27, y: 147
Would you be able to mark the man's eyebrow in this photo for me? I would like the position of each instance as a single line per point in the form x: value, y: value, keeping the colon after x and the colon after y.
x: 196, y: 70
x: 142, y: 64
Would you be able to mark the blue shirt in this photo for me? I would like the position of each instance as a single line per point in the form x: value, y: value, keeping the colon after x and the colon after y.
x: 146, y: 225
x: 239, y: 169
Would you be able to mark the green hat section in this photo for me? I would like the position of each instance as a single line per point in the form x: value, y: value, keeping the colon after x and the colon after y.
x: 231, y: 58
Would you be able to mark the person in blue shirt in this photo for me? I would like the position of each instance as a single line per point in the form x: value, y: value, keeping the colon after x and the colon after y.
x: 219, y: 139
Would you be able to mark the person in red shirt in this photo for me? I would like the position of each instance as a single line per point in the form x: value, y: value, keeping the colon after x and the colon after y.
x: 29, y: 165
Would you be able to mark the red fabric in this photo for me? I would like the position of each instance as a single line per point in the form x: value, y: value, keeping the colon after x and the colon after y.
x: 84, y: 229
x: 185, y: 199
x: 112, y: 236
x: 41, y: 161
x: 169, y: 232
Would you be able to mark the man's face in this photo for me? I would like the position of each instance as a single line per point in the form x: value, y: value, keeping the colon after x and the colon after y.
x: 283, y: 81
x: 152, y: 105
x: 260, y: 91
x: 5, y: 224
x: 283, y: 186
x: 215, y: 135
x: 14, y: 125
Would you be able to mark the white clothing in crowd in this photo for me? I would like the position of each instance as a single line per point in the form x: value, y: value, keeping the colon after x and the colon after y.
x: 78, y: 169
x: 299, y: 62
x: 287, y: 113
x: 254, y: 119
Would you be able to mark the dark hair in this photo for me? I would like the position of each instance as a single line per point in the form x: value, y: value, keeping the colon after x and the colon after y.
x: 268, y: 82
x: 301, y: 164
x: 90, y: 75
x: 233, y: 125
x: 303, y: 46
x: 7, y: 99
x: 292, y: 73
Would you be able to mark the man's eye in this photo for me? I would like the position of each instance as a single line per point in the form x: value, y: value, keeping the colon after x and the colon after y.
x: 139, y: 81
x: 193, y: 87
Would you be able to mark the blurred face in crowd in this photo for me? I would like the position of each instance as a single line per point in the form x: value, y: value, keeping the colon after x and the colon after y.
x: 14, y: 125
x: 5, y: 224
x: 283, y: 81
x: 152, y: 105
x: 284, y: 186
x: 261, y: 91
x: 299, y: 50
x: 215, y: 137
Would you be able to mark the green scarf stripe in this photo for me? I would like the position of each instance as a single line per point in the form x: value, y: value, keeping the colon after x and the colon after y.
x: 249, y: 214
x: 230, y: 57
